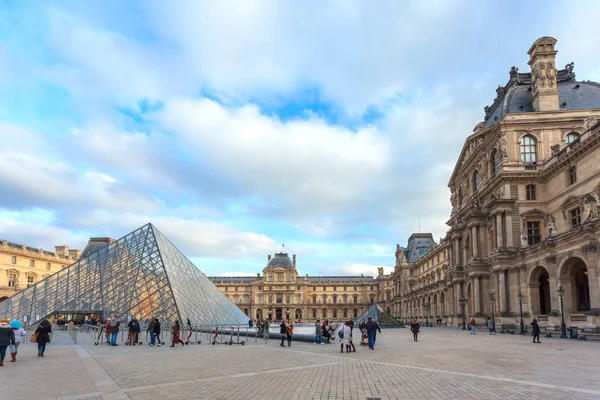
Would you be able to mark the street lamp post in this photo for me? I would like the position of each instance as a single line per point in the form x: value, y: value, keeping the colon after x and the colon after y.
x: 520, y: 296
x: 493, y: 303
x: 563, y: 326
x: 427, y: 307
x: 463, y: 302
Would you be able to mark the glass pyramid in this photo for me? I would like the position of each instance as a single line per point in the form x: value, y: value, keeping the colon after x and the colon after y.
x: 380, y: 315
x: 142, y: 274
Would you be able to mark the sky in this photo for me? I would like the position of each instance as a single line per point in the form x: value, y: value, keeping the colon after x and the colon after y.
x: 237, y: 126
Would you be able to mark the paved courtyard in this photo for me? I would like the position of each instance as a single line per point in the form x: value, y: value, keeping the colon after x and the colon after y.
x: 444, y: 364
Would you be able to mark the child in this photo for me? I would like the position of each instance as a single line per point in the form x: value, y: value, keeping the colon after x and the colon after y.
x: 20, y: 333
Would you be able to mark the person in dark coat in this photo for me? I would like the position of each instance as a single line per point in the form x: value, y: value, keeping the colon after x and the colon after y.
x: 175, y: 331
x: 7, y: 338
x: 133, y: 328
x: 414, y: 328
x: 371, y: 327
x: 283, y: 331
x: 535, y: 330
x: 157, y: 331
x: 43, y: 336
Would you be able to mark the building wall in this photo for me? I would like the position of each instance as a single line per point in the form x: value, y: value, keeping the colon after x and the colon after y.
x: 508, y: 255
x: 304, y: 298
x: 21, y: 266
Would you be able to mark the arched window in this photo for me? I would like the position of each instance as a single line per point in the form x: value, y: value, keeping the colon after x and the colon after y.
x: 314, y: 313
x: 475, y: 181
x: 335, y: 313
x: 355, y: 298
x: 324, y: 299
x: 571, y: 137
x: 279, y: 299
x: 314, y: 297
x: 355, y: 312
x: 335, y: 299
x: 528, y: 150
x: 495, y: 161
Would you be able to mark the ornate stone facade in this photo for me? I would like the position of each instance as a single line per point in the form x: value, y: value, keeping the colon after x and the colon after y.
x: 525, y: 194
x: 22, y: 266
x: 280, y: 293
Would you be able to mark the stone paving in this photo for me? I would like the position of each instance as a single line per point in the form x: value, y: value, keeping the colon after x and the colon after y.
x: 444, y: 364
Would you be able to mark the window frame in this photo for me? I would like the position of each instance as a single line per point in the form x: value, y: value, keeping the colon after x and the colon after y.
x: 530, y: 192
x: 32, y: 263
x: 13, y: 260
x: 572, y: 175
x: 475, y: 181
x: 529, y: 150
x: 575, y: 214
x: 12, y: 280
x: 534, y: 232
x: 576, y: 136
x: 495, y: 161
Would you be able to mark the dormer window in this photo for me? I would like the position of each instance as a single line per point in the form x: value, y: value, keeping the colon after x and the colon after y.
x: 475, y: 181
x: 571, y: 137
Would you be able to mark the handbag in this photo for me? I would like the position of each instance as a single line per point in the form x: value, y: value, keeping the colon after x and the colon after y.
x: 33, y: 338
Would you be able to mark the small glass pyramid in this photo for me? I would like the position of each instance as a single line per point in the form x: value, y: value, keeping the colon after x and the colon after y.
x: 142, y: 274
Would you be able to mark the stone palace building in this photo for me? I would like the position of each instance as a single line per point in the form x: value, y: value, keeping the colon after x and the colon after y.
x: 524, y: 227
x: 281, y: 293
x: 22, y: 266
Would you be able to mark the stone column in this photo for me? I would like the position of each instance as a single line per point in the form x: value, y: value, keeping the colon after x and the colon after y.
x: 477, y: 294
x: 502, y: 290
x: 498, y: 216
x: 475, y: 241
x: 508, y: 229
x: 593, y: 286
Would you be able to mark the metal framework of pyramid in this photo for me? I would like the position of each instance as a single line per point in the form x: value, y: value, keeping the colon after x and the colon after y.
x: 380, y: 315
x: 142, y: 274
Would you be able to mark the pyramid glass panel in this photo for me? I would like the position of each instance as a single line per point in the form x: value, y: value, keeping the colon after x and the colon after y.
x: 142, y: 274
x: 380, y: 315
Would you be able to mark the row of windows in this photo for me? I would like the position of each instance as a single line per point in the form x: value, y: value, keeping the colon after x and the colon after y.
x: 533, y: 227
x: 334, y: 313
x: 13, y: 261
x: 314, y: 288
x: 528, y: 157
x: 12, y: 280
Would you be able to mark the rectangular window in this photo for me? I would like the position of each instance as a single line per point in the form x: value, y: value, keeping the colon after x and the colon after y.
x: 533, y: 232
x: 335, y: 288
x: 31, y: 263
x: 30, y: 280
x: 236, y: 289
x: 298, y: 287
x: 12, y: 279
x: 575, y: 217
x: 324, y: 289
x: 572, y: 175
x: 530, y: 192
x: 13, y: 260
x: 412, y: 272
x: 355, y: 288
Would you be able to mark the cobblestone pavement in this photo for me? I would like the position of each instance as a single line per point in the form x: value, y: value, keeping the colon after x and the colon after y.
x: 444, y: 364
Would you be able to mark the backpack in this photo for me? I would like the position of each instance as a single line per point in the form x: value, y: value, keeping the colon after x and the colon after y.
x: 341, y: 334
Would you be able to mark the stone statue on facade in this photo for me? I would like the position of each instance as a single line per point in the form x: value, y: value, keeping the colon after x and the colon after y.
x: 589, y: 122
x: 590, y: 206
x: 502, y: 148
x: 523, y: 234
x: 551, y: 224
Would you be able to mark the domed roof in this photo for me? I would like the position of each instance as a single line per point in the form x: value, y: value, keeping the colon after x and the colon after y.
x: 516, y: 96
x: 280, y: 259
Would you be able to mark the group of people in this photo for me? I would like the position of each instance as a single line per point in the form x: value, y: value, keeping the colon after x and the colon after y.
x: 286, y: 329
x: 12, y: 335
x: 323, y: 332
x: 134, y: 329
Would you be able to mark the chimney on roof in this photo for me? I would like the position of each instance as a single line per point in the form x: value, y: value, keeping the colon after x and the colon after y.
x: 61, y: 250
x: 268, y: 258
x: 75, y: 254
x: 294, y: 260
x: 542, y: 59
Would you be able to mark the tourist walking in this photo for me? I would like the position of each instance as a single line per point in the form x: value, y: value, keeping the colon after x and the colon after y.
x: 318, y: 332
x: 351, y: 325
x: 7, y: 338
x: 42, y: 336
x: 490, y: 326
x: 156, y: 330
x: 283, y: 332
x: 371, y: 326
x: 290, y: 332
x: 414, y: 328
x: 150, y: 331
x: 20, y: 333
x: 535, y: 330
x: 175, y: 331
x: 376, y: 329
x: 133, y: 327
x: 342, y: 334
x: 473, y: 326
x: 267, y: 326
x: 114, y: 330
